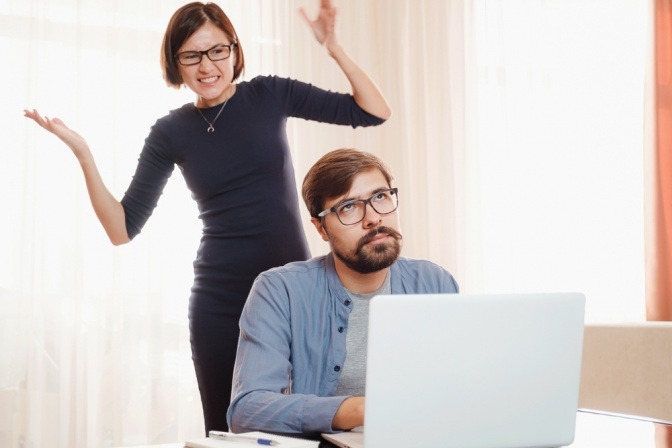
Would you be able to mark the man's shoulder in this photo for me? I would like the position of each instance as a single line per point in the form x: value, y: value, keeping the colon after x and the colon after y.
x: 406, y: 263
x: 424, y: 276
x: 314, y: 266
x: 294, y: 281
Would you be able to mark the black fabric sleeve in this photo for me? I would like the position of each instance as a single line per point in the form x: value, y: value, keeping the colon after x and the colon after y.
x: 151, y: 175
x: 303, y: 100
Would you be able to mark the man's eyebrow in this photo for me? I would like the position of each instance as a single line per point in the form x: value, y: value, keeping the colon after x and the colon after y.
x: 372, y: 193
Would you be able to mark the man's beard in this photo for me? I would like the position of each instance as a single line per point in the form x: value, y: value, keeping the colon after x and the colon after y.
x: 368, y: 259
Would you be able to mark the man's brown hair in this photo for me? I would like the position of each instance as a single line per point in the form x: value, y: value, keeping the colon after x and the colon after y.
x: 333, y: 174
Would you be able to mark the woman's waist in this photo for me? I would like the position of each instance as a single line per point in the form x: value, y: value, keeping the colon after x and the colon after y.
x: 250, y: 252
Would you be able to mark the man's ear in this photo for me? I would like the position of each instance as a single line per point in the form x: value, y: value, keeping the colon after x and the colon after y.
x: 317, y: 222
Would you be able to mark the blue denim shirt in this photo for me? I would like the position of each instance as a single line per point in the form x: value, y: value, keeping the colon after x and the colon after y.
x: 292, y: 343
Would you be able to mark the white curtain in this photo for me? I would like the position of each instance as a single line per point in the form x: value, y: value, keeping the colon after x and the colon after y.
x: 558, y: 150
x: 516, y: 142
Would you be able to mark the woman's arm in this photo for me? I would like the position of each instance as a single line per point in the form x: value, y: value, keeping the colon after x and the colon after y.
x: 364, y: 90
x: 109, y: 211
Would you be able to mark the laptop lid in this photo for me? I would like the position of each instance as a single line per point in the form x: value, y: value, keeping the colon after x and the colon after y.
x: 473, y: 371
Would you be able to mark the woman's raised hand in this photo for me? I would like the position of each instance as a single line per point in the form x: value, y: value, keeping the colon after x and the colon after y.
x: 324, y: 26
x: 56, y: 126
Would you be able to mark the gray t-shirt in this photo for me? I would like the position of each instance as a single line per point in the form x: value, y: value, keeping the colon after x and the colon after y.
x: 353, y: 377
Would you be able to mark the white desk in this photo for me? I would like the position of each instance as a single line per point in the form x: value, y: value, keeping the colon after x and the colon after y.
x: 592, y: 431
x: 602, y: 431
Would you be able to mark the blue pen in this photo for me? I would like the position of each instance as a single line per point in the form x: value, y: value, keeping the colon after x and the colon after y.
x: 241, y: 438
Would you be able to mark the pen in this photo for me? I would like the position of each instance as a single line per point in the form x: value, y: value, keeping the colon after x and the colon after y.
x: 241, y: 438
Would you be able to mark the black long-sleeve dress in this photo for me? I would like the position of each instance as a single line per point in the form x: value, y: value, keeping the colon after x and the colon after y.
x: 242, y: 178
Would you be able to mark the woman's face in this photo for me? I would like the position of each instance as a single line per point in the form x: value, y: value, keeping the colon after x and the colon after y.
x: 208, y: 79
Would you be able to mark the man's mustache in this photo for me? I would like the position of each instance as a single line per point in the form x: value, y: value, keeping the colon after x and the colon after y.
x: 372, y: 234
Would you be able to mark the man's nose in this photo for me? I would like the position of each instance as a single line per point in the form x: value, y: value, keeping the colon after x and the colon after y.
x: 371, y: 217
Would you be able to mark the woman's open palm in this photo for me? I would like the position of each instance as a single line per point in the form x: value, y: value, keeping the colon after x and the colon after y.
x: 56, y: 126
x: 324, y: 25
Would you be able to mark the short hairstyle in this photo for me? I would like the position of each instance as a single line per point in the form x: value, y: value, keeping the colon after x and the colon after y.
x: 333, y: 174
x: 185, y: 22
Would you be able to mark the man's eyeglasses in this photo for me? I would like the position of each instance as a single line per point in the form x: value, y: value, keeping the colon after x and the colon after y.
x: 353, y: 211
x: 216, y: 53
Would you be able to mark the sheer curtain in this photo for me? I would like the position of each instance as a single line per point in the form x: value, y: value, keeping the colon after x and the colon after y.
x: 659, y: 248
x: 660, y: 288
x: 559, y: 150
x: 516, y: 141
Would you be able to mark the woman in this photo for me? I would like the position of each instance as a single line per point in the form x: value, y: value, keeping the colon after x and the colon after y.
x: 231, y: 147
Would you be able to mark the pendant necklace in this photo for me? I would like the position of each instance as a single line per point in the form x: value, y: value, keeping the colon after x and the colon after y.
x: 211, y: 128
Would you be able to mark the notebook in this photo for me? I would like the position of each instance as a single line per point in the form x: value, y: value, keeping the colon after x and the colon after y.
x: 471, y: 371
x: 282, y: 441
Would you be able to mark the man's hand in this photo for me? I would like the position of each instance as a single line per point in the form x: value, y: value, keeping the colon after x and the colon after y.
x: 350, y: 414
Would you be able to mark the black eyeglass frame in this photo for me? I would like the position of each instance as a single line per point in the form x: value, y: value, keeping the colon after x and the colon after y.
x: 366, y: 202
x: 206, y: 53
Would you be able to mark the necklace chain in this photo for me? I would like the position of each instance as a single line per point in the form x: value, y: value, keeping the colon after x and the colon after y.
x: 211, y: 128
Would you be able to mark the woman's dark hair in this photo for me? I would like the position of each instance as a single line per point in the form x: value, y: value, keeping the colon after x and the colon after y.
x: 333, y: 174
x: 185, y: 22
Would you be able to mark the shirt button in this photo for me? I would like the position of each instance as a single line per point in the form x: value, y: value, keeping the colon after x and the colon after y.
x: 340, y: 329
x: 337, y: 369
x: 347, y: 303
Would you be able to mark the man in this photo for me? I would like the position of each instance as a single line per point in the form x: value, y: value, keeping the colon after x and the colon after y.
x: 301, y: 359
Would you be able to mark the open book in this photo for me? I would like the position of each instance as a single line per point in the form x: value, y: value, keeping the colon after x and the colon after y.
x: 282, y: 441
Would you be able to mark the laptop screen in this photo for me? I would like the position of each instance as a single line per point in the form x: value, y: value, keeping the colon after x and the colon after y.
x: 469, y: 371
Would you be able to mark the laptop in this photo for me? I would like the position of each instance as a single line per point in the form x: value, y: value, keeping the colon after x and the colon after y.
x: 471, y: 371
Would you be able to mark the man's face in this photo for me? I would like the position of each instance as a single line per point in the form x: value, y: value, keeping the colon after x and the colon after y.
x: 370, y: 245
